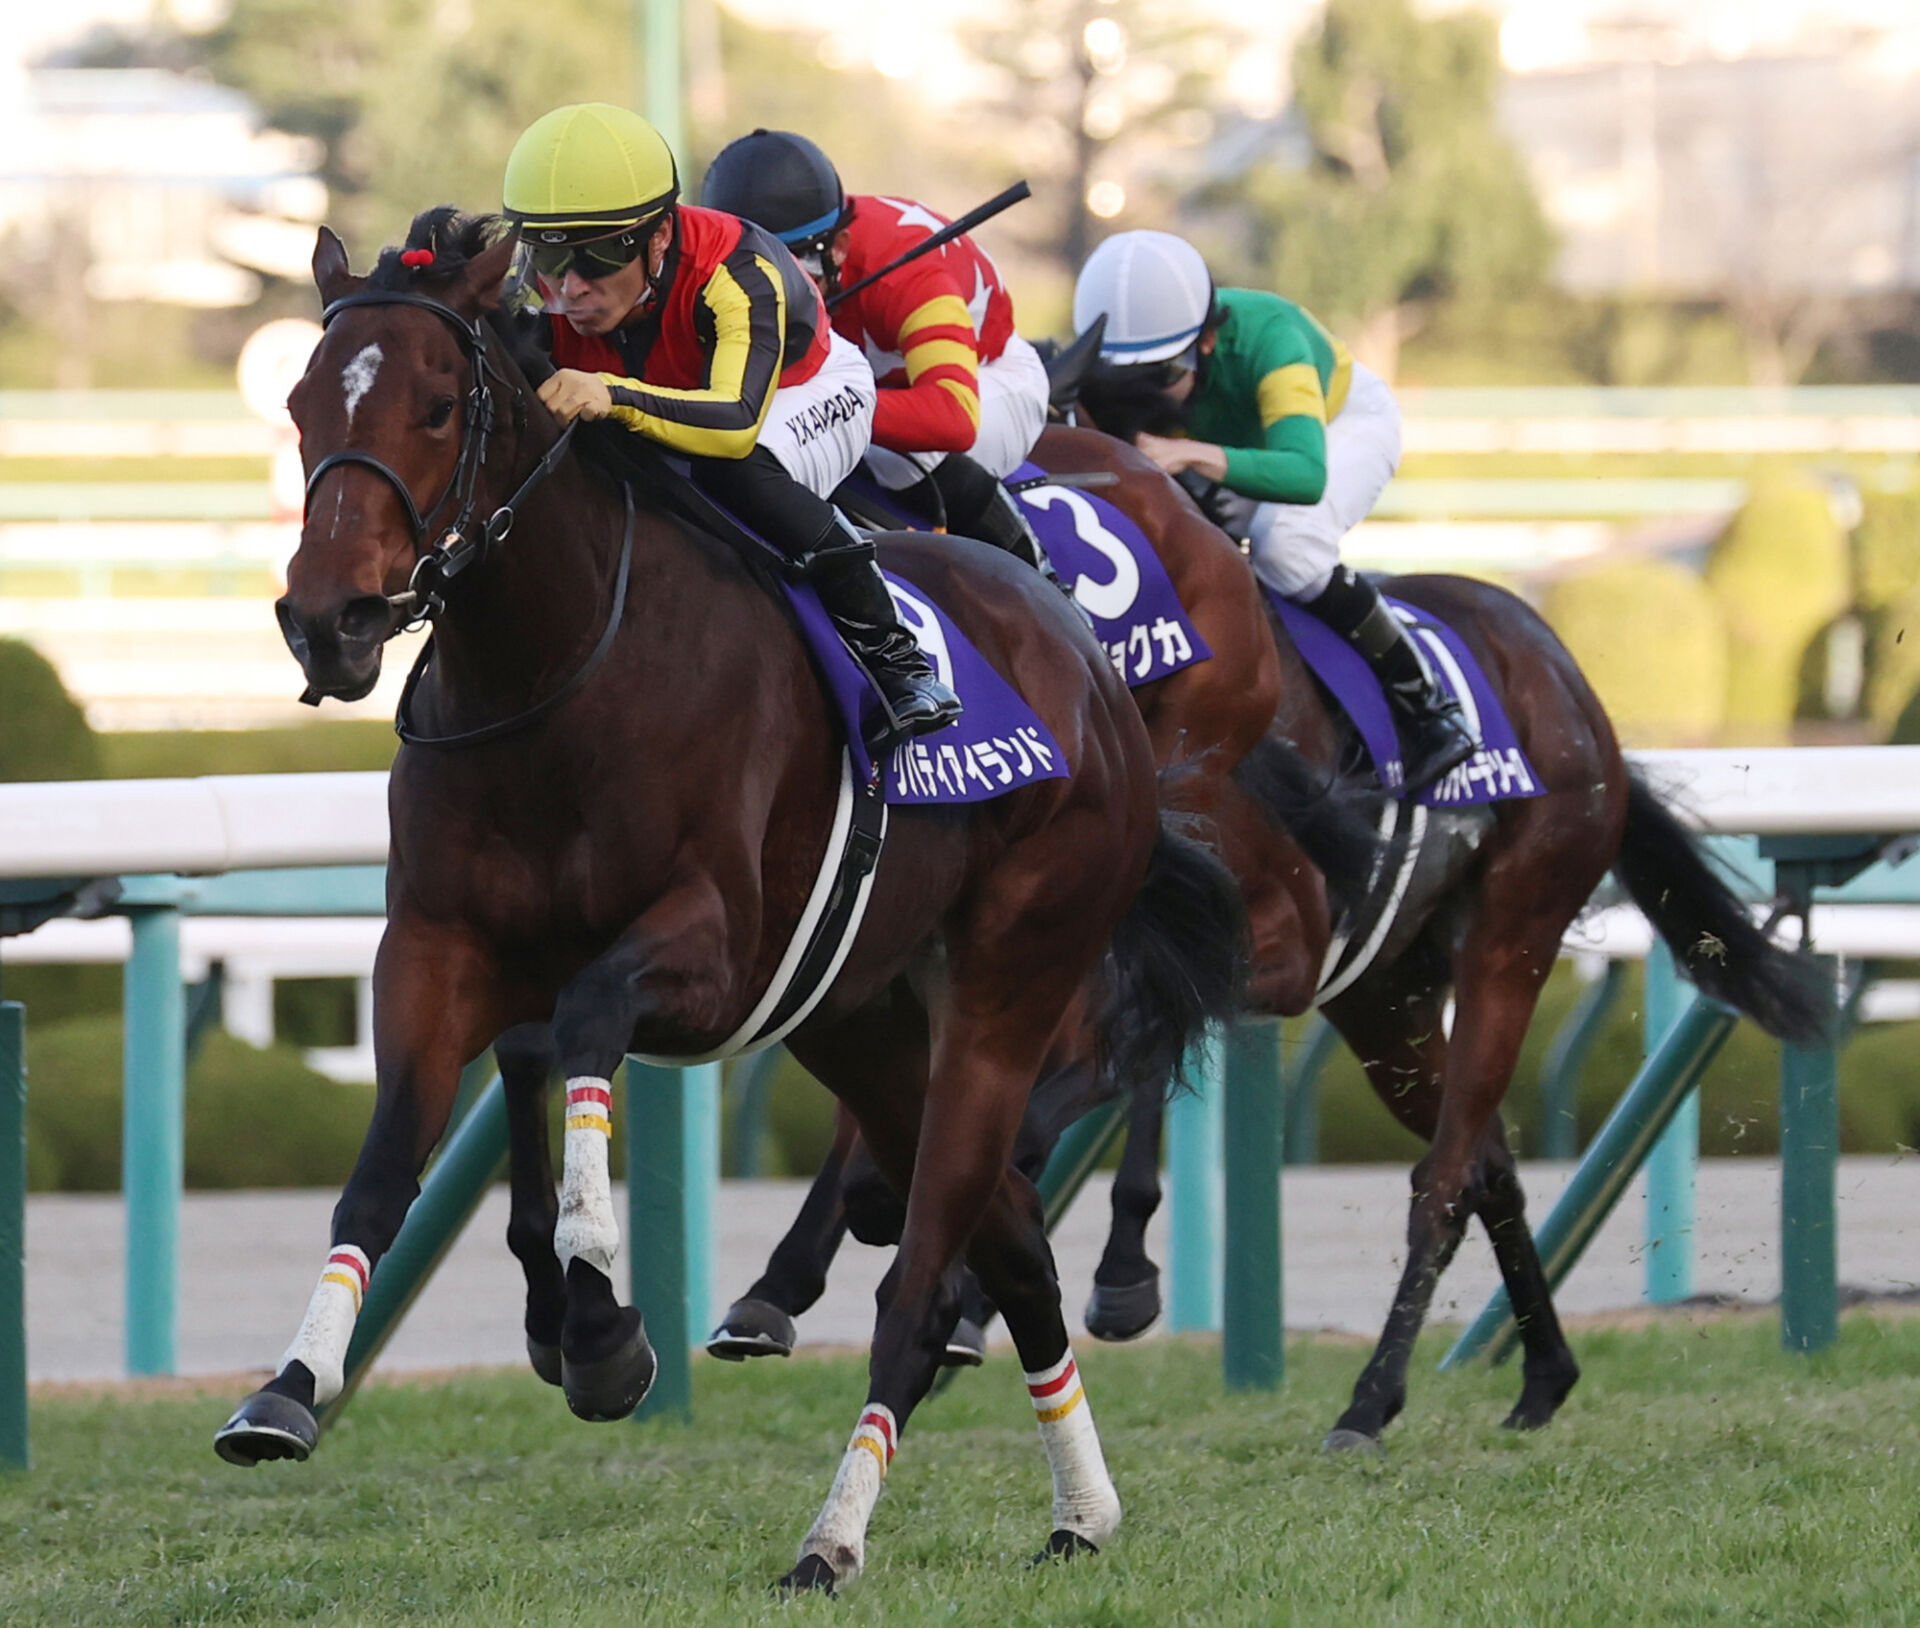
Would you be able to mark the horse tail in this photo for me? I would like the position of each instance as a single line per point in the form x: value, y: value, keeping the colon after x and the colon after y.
x: 1331, y: 817
x: 1715, y: 940
x: 1176, y: 963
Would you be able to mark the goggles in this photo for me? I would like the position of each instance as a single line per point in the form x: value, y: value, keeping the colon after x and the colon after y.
x: 590, y: 258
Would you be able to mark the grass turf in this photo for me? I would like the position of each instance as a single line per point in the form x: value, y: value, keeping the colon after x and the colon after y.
x: 1697, y: 1475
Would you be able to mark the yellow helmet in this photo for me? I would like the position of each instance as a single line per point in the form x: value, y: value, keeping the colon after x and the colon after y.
x: 588, y: 167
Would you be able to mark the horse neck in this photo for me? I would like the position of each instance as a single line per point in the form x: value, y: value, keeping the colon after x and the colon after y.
x: 522, y: 619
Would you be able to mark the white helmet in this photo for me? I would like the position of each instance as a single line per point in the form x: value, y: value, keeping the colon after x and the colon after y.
x: 1154, y: 290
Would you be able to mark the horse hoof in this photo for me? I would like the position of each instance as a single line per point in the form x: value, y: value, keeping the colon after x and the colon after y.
x: 1342, y: 1440
x: 611, y: 1387
x: 545, y: 1359
x: 811, y: 1575
x: 753, y: 1328
x: 966, y: 1345
x: 1064, y: 1545
x: 267, y: 1426
x: 1124, y: 1312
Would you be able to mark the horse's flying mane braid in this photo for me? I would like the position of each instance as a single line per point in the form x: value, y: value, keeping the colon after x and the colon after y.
x: 451, y: 237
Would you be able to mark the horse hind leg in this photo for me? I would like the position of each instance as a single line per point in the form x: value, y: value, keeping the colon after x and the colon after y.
x: 527, y: 1060
x: 1126, y: 1284
x: 1549, y: 1371
x: 761, y: 1322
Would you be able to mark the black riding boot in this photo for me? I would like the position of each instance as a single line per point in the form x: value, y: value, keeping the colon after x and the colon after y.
x: 1433, y: 732
x: 979, y: 506
x: 842, y: 569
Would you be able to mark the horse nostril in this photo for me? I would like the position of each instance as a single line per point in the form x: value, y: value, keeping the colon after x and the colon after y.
x: 290, y: 629
x: 365, y: 620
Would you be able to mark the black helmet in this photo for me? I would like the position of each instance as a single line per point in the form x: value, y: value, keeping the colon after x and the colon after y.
x: 782, y: 183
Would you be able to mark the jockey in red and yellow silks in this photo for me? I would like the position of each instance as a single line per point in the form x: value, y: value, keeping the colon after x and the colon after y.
x: 963, y: 397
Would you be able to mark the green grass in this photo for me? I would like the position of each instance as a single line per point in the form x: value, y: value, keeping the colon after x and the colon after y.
x: 1698, y: 1475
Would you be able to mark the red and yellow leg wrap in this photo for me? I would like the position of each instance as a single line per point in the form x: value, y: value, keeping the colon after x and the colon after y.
x: 590, y: 1107
x: 1056, y: 1391
x: 1084, y: 1500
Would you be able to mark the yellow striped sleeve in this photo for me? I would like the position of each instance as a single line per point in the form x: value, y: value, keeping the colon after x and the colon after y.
x: 965, y: 394
x: 1292, y: 391
x: 932, y: 353
x: 942, y: 311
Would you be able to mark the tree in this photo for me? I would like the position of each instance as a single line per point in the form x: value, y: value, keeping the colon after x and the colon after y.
x: 1095, y: 93
x: 1409, y: 194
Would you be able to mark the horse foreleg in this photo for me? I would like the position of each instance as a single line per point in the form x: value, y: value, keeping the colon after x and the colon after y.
x: 760, y: 1323
x: 1126, y: 1283
x: 1548, y: 1369
x: 435, y: 998
x: 527, y: 1060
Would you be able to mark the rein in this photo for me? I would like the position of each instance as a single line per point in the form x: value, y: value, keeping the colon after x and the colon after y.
x: 459, y: 545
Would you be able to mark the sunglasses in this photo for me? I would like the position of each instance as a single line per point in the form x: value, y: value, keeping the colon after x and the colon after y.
x: 593, y: 259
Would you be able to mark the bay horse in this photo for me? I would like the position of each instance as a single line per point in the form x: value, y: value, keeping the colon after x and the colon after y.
x: 609, y: 816
x: 1204, y: 718
x: 1481, y: 924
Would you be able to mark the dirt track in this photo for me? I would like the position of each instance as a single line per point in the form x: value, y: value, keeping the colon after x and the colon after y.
x: 249, y: 1261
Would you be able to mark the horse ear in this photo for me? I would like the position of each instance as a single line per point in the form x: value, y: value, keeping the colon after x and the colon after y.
x: 485, y: 276
x: 330, y: 273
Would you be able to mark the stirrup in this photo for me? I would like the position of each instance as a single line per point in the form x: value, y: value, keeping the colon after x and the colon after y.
x: 1442, y: 738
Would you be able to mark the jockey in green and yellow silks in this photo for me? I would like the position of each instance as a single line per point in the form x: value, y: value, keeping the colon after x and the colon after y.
x: 1245, y: 394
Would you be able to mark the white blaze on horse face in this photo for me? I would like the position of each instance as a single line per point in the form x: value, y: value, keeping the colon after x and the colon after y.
x: 586, y: 1229
x: 357, y: 377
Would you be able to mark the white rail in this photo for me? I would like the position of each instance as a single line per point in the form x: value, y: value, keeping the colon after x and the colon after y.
x: 252, y: 822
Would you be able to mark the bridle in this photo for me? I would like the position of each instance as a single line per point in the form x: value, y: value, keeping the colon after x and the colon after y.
x: 424, y: 598
x: 458, y: 546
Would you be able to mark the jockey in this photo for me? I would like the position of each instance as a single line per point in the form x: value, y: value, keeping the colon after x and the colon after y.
x: 1268, y: 404
x: 963, y: 397
x: 698, y: 331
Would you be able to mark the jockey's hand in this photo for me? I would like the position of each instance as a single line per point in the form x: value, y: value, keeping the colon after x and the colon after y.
x: 571, y: 394
x: 1173, y: 455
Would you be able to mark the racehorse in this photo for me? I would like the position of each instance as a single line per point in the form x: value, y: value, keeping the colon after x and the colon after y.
x: 1205, y: 718
x: 1488, y: 896
x: 609, y: 816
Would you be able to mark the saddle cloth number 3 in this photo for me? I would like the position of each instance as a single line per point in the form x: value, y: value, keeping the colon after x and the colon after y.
x: 1110, y: 601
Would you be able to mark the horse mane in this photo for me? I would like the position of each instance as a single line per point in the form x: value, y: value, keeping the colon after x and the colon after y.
x: 451, y: 236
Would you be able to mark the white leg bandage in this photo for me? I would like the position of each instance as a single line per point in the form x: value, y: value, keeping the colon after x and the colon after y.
x: 1084, y: 1501
x: 586, y: 1229
x: 839, y: 1535
x: 327, y: 1328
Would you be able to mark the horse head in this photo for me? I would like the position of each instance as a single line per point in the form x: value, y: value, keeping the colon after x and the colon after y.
x: 395, y: 413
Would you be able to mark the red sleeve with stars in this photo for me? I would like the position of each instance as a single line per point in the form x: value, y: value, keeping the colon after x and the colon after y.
x: 921, y: 326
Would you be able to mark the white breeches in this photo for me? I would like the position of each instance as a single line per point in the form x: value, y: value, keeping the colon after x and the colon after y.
x: 820, y: 429
x: 1296, y: 545
x: 1013, y: 412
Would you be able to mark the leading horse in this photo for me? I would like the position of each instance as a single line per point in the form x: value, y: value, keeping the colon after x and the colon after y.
x: 610, y: 816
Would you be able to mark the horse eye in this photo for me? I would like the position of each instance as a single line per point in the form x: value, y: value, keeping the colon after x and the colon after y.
x: 442, y: 411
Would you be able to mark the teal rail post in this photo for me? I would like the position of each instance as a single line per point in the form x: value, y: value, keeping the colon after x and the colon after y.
x: 1194, y: 1200
x: 1081, y: 1147
x: 1809, y: 1144
x: 14, y: 1454
x: 661, y: 53
x: 1615, y: 1154
x: 1300, y: 1138
x: 153, y: 1150
x: 1675, y: 1159
x: 673, y: 1162
x: 1566, y: 1061
x: 1252, y: 1345
x: 468, y: 1163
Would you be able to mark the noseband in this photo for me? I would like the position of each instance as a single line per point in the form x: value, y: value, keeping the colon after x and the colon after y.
x: 458, y: 545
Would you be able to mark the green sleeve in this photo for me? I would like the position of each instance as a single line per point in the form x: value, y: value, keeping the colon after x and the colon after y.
x: 1291, y: 466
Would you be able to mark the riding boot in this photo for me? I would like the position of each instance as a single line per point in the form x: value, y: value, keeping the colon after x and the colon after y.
x: 1433, y: 732
x: 844, y: 572
x: 979, y: 506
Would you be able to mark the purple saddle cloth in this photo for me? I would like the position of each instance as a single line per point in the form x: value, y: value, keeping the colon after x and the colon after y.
x: 1115, y: 575
x: 1497, y: 772
x: 998, y: 745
